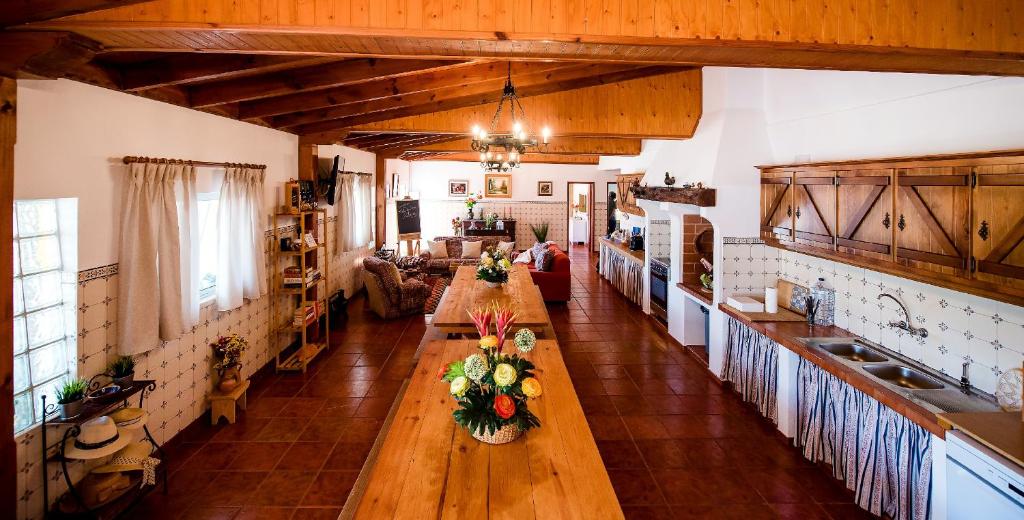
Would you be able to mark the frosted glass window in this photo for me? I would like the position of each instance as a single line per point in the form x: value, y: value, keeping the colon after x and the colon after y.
x: 208, y: 257
x: 42, y: 352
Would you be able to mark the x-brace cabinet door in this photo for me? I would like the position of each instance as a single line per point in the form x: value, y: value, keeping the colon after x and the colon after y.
x: 777, y: 206
x: 933, y: 218
x: 814, y: 200
x: 864, y: 217
x: 998, y: 227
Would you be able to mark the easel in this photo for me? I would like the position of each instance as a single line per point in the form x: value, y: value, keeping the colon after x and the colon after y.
x: 412, y: 243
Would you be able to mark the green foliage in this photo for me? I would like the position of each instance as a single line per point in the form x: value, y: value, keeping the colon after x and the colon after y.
x: 123, y: 366
x: 455, y: 369
x: 476, y: 409
x: 706, y: 280
x: 540, y: 232
x: 72, y: 391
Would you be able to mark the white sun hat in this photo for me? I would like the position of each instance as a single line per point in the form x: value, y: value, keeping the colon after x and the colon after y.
x: 98, y: 438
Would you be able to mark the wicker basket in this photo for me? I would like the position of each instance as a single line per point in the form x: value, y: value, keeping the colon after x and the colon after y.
x: 503, y: 435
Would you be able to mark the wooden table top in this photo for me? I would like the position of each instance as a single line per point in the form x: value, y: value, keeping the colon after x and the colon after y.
x: 1001, y: 431
x: 428, y: 467
x: 466, y: 292
x: 636, y: 256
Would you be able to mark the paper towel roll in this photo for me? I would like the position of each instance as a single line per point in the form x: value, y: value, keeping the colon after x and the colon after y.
x: 771, y: 300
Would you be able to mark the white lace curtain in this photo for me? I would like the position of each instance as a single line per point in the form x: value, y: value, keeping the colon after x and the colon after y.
x: 355, y: 212
x: 158, y: 289
x: 241, y: 260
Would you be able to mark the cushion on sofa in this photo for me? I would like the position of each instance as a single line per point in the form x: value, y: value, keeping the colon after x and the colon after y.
x: 438, y: 250
x: 544, y: 259
x: 471, y: 248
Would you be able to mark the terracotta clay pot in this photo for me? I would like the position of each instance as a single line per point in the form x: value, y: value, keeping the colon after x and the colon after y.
x: 230, y: 378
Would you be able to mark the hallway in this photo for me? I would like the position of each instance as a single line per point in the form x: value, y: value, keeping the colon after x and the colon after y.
x: 675, y: 445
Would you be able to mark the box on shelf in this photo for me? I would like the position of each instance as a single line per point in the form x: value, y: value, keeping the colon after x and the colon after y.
x: 745, y: 304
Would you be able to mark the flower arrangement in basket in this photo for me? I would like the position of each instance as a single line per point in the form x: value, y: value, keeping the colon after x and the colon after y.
x: 228, y: 350
x: 492, y: 388
x: 493, y: 268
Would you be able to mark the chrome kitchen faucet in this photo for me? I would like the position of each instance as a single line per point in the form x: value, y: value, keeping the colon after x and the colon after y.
x: 905, y: 323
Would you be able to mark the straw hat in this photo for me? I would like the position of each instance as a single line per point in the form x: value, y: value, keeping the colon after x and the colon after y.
x: 133, y: 457
x: 98, y: 438
x: 129, y: 418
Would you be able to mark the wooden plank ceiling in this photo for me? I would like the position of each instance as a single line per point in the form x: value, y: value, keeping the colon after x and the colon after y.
x: 410, y: 77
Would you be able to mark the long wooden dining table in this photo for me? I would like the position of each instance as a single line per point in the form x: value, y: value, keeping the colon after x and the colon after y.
x: 466, y: 292
x: 429, y: 467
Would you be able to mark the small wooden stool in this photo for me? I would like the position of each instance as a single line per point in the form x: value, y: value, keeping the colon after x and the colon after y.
x: 223, y: 405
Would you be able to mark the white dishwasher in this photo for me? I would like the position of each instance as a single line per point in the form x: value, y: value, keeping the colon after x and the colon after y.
x: 981, y: 483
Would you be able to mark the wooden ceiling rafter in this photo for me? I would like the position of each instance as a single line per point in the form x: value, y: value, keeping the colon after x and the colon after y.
x: 414, y: 140
x: 25, y: 11
x: 185, y: 69
x: 311, y: 79
x: 559, y: 146
x: 571, y: 78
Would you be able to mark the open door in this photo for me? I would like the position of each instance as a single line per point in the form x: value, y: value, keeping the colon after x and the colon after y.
x: 580, y: 213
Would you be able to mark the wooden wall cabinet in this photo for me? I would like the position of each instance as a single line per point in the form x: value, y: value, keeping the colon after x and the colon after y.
x: 627, y: 201
x: 955, y: 221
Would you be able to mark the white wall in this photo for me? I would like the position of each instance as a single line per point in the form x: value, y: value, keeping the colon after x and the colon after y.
x: 430, y: 179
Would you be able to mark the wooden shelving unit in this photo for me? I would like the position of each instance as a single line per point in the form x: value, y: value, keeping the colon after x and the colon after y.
x: 298, y: 342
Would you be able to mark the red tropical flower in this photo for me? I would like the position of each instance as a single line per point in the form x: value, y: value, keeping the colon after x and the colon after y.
x: 441, y: 372
x: 505, y: 406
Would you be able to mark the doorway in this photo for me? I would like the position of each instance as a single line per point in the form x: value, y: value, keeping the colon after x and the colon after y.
x: 580, y: 213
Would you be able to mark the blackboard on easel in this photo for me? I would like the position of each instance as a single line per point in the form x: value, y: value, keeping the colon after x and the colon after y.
x: 408, y: 216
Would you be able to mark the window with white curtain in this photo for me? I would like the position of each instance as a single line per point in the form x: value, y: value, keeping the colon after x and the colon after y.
x: 45, y: 290
x: 207, y: 206
x: 355, y: 212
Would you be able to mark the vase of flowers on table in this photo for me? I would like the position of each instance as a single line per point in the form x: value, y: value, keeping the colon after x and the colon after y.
x: 493, y: 268
x: 228, y: 350
x: 471, y: 201
x: 492, y: 388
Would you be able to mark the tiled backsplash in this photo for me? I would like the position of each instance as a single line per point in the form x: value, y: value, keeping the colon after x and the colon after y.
x: 437, y: 216
x: 182, y: 368
x: 659, y: 238
x: 988, y: 335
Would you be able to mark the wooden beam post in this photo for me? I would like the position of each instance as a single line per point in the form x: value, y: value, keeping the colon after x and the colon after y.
x: 8, y: 129
x: 307, y: 161
x: 380, y: 202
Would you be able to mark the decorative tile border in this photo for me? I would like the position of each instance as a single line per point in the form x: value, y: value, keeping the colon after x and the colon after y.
x: 106, y: 271
x: 665, y: 222
x: 742, y: 240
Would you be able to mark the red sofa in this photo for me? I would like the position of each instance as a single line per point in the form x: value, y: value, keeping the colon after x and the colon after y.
x: 554, y: 284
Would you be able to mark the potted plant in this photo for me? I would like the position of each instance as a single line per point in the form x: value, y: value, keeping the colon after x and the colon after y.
x: 490, y: 220
x: 492, y: 388
x: 71, y: 396
x: 229, y: 350
x: 493, y: 268
x: 122, y: 371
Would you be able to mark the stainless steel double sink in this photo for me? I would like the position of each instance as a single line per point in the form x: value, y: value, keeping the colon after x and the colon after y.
x: 932, y: 390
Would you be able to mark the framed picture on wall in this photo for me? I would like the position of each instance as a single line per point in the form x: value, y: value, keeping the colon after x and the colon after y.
x: 545, y: 188
x: 498, y: 185
x: 458, y: 188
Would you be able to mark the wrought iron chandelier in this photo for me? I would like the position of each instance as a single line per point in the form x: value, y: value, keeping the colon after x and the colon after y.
x: 502, y: 152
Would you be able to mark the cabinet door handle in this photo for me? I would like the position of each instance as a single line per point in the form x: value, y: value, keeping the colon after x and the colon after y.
x: 789, y: 211
x: 798, y: 212
x: 983, y: 230
x: 902, y: 223
x: 886, y: 221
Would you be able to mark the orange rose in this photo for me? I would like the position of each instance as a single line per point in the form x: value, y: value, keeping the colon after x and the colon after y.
x: 505, y: 406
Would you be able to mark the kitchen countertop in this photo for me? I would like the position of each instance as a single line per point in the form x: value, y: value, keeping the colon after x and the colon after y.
x: 788, y: 334
x: 637, y: 256
x: 1001, y: 431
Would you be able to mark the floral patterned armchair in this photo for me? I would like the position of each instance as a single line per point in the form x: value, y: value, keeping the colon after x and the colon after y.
x: 390, y: 296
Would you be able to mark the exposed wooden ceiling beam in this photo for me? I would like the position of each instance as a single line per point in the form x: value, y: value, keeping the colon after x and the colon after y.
x: 904, y: 36
x: 666, y: 106
x: 525, y: 75
x: 17, y: 12
x: 312, y: 78
x: 527, y: 158
x: 387, y: 87
x: 571, y: 79
x: 183, y: 69
x: 413, y: 140
x: 559, y: 146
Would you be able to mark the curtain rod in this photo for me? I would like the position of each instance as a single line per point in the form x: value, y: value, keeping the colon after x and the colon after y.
x: 130, y: 159
x: 355, y: 173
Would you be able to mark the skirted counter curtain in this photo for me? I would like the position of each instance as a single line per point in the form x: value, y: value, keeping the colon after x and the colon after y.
x: 158, y: 296
x: 752, y: 365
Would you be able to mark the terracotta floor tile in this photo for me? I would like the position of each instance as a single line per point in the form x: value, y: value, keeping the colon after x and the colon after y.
x: 618, y: 454
x: 340, y: 407
x: 230, y: 488
x: 281, y: 429
x: 303, y: 407
x: 364, y: 372
x: 283, y: 389
x: 846, y: 512
x: 776, y: 486
x: 662, y: 454
x: 724, y: 512
x: 635, y: 487
x: 266, y: 407
x: 210, y: 513
x: 362, y: 429
x: 622, y: 386
x: 305, y: 456
x: 265, y: 513
x: 330, y: 488
x: 257, y: 456
x: 607, y: 428
x: 705, y: 487
x: 804, y: 511
x: 212, y: 456
x: 645, y: 427
x: 632, y: 405
x: 325, y: 429
x: 283, y: 488
x: 316, y: 513
x: 348, y: 455
x: 244, y: 429
x: 387, y: 388
x: 647, y: 513
x: 375, y: 407
x: 597, y: 405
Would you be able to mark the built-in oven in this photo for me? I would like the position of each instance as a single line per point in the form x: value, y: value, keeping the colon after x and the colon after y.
x: 659, y: 288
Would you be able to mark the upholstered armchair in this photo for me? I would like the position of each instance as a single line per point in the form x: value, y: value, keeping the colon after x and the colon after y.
x: 390, y: 296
